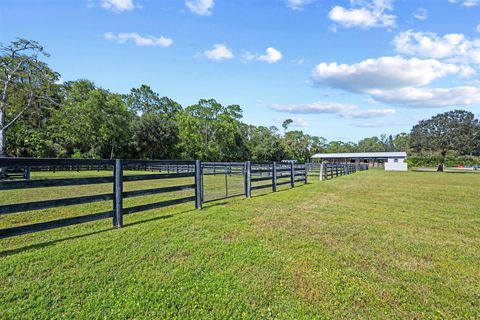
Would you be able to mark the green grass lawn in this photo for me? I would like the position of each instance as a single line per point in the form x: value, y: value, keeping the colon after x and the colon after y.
x: 373, y: 244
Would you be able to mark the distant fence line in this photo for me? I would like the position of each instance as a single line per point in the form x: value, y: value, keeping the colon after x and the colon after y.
x: 237, y: 179
x: 326, y: 171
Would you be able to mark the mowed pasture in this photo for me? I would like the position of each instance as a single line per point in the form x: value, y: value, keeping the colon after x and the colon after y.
x: 373, y: 244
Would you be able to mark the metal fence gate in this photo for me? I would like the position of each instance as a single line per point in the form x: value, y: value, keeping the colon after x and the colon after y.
x: 158, y: 183
x: 222, y: 180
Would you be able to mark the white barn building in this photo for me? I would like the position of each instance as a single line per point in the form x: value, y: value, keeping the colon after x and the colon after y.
x: 391, y: 161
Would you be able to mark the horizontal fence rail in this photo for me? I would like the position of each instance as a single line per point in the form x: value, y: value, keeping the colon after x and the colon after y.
x: 207, y: 181
x: 117, y: 177
x: 327, y: 170
x: 222, y: 180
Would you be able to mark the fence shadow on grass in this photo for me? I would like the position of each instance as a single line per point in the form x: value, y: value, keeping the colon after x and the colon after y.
x: 270, y: 175
x: 45, y: 244
x: 278, y: 191
x: 162, y: 217
x: 40, y: 245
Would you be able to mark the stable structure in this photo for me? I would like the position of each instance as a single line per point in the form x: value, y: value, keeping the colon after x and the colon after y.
x: 391, y: 161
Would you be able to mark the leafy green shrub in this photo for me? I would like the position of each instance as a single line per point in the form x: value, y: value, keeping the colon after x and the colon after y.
x: 450, y: 160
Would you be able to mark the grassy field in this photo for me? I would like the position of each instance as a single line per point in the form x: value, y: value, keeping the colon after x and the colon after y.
x: 368, y: 245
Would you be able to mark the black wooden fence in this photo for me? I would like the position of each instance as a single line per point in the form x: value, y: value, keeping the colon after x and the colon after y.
x: 208, y: 182
x: 326, y: 171
x: 222, y: 180
x: 272, y: 175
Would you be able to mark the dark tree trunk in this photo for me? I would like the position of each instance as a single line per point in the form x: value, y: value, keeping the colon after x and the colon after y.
x: 3, y: 144
x: 441, y: 166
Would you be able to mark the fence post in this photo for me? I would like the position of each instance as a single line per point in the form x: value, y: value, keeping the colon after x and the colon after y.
x: 248, y: 179
x: 118, y: 194
x: 274, y: 176
x: 306, y: 174
x: 198, y: 184
x: 292, y: 174
x: 226, y: 181
x: 321, y: 171
x: 26, y: 173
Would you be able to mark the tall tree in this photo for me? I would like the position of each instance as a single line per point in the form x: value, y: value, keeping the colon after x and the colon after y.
x: 300, y: 146
x: 341, y: 147
x: 401, y: 142
x: 26, y: 83
x: 387, y: 142
x: 317, y: 145
x: 450, y: 131
x: 156, y: 136
x: 372, y: 144
x: 156, y: 132
x: 285, y: 124
x: 144, y: 99
x: 211, y: 131
x: 263, y: 144
x: 93, y: 123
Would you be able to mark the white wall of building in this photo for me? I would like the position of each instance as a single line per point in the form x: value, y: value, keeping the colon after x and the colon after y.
x: 396, y: 164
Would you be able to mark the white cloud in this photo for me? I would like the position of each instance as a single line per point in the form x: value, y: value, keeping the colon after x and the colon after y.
x: 117, y: 5
x: 364, y: 14
x: 138, y: 39
x: 200, y: 7
x: 426, y: 44
x: 315, y: 107
x: 398, y: 81
x: 378, y: 124
x: 299, y: 122
x: 344, y: 110
x: 247, y: 55
x: 421, y: 14
x: 298, y: 62
x: 370, y: 113
x: 478, y: 28
x: 430, y: 97
x: 219, y: 52
x: 271, y: 55
x: 471, y: 3
x: 466, y: 3
x: 298, y: 4
x: 382, y: 73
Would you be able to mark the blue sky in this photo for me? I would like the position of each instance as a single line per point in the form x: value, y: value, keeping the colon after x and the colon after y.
x: 341, y: 69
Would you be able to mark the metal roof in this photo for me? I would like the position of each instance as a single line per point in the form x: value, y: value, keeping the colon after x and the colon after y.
x: 361, y: 155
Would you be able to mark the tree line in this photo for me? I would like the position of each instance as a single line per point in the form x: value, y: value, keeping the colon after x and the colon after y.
x: 85, y: 121
x: 40, y: 117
